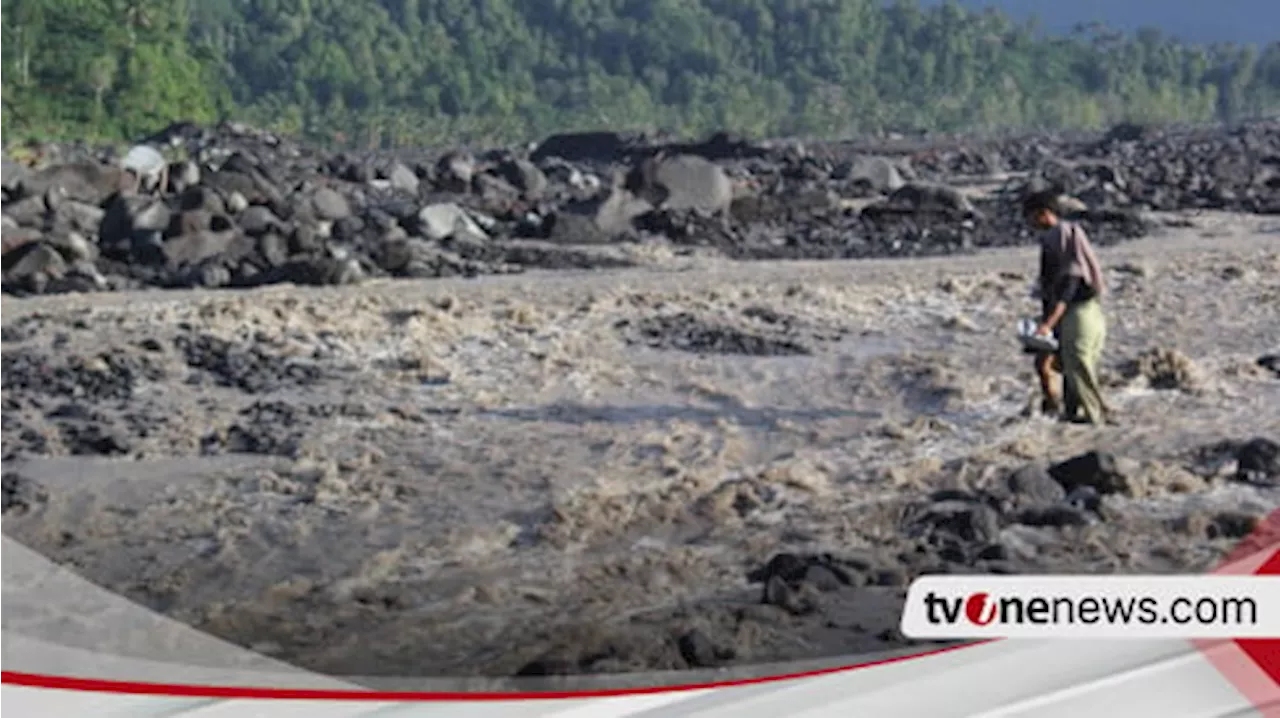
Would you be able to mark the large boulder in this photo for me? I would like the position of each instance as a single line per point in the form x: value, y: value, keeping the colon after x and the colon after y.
x: 79, y: 217
x: 1096, y: 470
x: 15, y: 236
x: 583, y: 147
x: 257, y: 221
x: 455, y: 171
x: 1259, y: 461
x: 147, y: 164
x: 192, y: 249
x: 721, y: 145
x: 330, y: 205
x: 524, y: 176
x: 203, y: 199
x: 682, y: 182
x: 27, y: 212
x: 403, y: 179
x: 12, y: 175
x: 183, y: 175
x: 880, y: 174
x: 598, y: 220
x: 446, y: 220
x: 88, y: 182
x: 252, y: 186
x: 129, y: 215
x: 73, y: 246
x: 32, y: 266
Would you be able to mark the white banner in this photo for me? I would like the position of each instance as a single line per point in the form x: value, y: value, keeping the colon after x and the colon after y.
x: 70, y: 648
x: 1140, y: 607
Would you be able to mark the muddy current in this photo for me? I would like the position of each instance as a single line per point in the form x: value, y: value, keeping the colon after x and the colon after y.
x: 692, y: 467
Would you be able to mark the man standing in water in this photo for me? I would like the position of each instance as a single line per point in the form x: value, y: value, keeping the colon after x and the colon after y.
x: 1071, y: 288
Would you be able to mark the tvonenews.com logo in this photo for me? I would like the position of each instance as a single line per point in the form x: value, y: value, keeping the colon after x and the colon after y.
x: 984, y: 609
x: 1092, y: 606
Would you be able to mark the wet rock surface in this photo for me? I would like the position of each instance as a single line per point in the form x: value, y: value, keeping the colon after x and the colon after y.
x: 20, y: 494
x: 685, y: 332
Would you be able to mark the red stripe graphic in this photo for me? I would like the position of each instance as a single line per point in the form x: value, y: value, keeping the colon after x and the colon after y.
x: 1252, y: 665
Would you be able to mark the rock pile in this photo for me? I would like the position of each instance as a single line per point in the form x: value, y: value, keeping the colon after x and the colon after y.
x: 234, y: 207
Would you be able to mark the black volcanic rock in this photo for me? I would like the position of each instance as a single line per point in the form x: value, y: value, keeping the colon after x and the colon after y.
x: 254, y: 208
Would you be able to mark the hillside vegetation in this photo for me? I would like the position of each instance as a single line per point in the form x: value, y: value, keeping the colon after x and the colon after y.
x: 397, y: 72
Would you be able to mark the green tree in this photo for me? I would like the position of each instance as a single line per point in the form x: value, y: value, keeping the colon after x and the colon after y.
x: 402, y: 72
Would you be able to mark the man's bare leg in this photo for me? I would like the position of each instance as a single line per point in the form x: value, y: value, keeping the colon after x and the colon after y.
x: 1051, y: 402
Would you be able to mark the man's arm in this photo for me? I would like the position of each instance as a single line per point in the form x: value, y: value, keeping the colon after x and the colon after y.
x: 1069, y: 290
x: 1051, y: 321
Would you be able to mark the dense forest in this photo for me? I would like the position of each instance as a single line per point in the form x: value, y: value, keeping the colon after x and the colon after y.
x: 396, y: 72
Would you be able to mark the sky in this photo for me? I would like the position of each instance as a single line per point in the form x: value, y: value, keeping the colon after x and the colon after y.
x: 1240, y: 21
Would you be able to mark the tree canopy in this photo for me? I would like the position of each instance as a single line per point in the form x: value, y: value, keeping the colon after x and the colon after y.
x: 400, y: 72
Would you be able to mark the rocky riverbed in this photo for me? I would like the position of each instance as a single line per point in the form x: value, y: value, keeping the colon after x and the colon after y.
x: 236, y: 207
x: 676, y: 460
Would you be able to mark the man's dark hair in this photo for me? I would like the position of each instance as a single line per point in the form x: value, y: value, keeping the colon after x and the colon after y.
x: 1046, y: 200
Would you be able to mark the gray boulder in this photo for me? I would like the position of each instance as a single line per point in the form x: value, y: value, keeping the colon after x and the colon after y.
x: 329, y: 205
x: 524, y: 176
x: 582, y: 147
x: 73, y: 247
x: 27, y: 212
x: 183, y: 175
x: 402, y: 178
x: 258, y: 220
x: 87, y: 182
x: 12, y: 175
x: 33, y: 265
x: 192, y: 249
x: 128, y: 215
x: 148, y: 165
x: 599, y: 220
x: 879, y: 173
x: 682, y: 182
x: 455, y: 171
x: 15, y: 237
x: 80, y: 217
x: 443, y: 221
